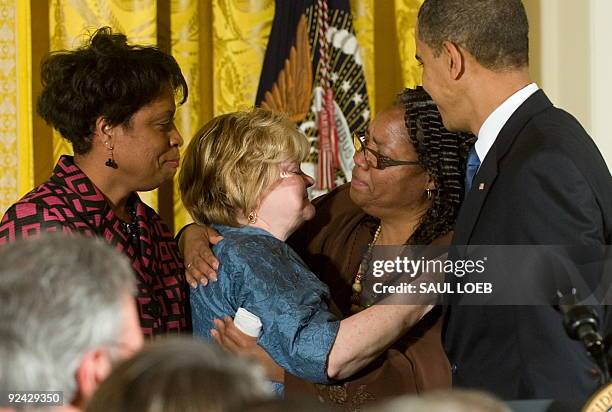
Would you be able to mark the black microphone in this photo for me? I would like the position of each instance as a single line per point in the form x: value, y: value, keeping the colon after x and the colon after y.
x: 582, y: 323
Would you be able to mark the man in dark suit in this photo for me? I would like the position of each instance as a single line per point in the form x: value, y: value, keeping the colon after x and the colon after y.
x: 534, y: 177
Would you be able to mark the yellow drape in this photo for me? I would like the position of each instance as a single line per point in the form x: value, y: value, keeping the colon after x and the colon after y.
x: 406, y: 12
x: 385, y: 30
x: 219, y: 44
x: 191, y: 50
x: 25, y: 171
x: 220, y: 47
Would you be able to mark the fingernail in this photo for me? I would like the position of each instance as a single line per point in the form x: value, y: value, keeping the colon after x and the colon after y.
x: 204, y: 281
x: 213, y: 278
x: 216, y: 265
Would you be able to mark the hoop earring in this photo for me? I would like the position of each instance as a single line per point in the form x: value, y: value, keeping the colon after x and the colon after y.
x: 429, y: 193
x: 111, y: 159
x: 252, y: 217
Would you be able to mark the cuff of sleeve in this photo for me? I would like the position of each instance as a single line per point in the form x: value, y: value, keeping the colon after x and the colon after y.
x: 180, y: 232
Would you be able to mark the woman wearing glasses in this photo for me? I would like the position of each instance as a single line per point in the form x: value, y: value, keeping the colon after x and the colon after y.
x: 406, y: 189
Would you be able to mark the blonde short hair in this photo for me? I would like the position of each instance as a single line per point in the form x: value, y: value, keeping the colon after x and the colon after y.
x: 233, y: 160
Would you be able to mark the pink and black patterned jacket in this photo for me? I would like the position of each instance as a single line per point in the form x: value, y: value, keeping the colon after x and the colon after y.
x: 70, y: 202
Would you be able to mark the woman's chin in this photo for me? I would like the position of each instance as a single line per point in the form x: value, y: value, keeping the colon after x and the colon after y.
x: 155, y: 183
x: 358, y: 196
x: 309, y: 212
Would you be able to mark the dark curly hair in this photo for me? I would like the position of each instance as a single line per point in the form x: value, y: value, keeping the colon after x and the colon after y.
x: 443, y: 155
x: 106, y: 77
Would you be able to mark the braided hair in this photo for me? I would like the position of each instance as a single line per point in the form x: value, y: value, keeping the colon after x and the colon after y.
x: 442, y: 154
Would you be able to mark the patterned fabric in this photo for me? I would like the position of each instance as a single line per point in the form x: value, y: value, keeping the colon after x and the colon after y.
x: 69, y: 202
x: 266, y: 277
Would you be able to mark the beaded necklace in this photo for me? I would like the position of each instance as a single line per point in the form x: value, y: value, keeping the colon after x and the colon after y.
x: 364, y: 266
x: 131, y: 228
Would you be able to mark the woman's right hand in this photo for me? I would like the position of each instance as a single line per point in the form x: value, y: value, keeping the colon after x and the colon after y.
x: 200, y: 262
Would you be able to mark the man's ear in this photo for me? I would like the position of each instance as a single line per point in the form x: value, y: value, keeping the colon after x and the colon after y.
x: 455, y: 59
x: 95, y: 366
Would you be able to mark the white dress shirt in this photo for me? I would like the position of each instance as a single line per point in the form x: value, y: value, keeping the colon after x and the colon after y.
x: 498, y: 118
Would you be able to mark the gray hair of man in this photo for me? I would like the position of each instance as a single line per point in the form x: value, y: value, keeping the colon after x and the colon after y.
x: 62, y: 296
x: 181, y: 375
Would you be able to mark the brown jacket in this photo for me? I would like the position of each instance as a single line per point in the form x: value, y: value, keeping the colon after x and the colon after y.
x: 332, y: 245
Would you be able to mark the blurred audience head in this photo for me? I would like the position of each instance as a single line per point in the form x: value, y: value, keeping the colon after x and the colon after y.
x: 444, y: 401
x: 181, y: 375
x: 289, y: 405
x: 67, y: 316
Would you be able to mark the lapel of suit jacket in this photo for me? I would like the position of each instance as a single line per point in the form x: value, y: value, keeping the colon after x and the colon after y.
x: 484, y: 179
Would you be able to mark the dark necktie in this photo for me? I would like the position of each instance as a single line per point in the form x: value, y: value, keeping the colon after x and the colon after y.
x: 473, y: 163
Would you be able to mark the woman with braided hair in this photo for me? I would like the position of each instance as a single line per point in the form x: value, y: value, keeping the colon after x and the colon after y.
x: 442, y: 154
x: 407, y: 188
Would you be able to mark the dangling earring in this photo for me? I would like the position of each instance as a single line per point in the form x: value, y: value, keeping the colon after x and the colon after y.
x: 252, y: 217
x: 429, y: 193
x: 111, y: 159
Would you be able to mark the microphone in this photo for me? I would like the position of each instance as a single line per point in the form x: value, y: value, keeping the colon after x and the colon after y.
x: 582, y: 323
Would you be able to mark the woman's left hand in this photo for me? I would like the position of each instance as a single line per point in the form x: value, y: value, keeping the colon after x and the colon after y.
x: 230, y: 338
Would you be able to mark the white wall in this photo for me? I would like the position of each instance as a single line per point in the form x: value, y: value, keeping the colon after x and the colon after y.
x: 601, y: 76
x: 572, y: 61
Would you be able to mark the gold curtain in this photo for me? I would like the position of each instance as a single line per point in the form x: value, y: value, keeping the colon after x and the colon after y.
x: 215, y: 43
x: 406, y: 12
x: 388, y: 48
x: 219, y: 44
x: 191, y: 48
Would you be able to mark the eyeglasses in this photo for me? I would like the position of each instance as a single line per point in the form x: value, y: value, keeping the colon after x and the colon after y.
x: 375, y: 159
